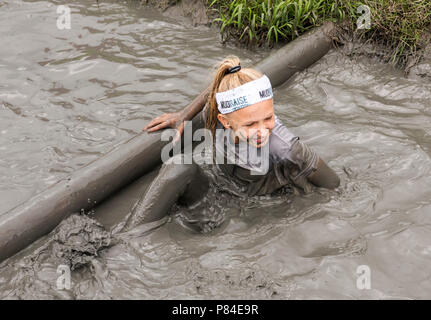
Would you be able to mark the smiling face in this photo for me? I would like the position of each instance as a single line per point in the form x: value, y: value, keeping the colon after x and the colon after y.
x: 253, y: 123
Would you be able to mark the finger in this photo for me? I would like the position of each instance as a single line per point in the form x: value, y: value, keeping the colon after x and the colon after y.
x: 153, y: 123
x: 158, y: 127
x: 180, y: 131
x: 181, y: 128
x: 157, y: 120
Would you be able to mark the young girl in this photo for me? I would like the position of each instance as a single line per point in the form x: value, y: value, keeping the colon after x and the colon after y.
x: 239, y: 112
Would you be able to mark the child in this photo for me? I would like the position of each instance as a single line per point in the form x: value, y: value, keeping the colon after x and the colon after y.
x: 238, y: 111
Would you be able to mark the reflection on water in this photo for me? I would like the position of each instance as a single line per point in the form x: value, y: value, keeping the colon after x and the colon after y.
x: 66, y: 98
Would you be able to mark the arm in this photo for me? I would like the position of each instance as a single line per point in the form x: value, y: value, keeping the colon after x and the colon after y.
x: 311, y: 166
x: 324, y: 176
x: 176, y: 119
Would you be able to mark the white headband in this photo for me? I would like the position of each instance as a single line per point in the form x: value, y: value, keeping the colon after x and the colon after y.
x: 245, y: 95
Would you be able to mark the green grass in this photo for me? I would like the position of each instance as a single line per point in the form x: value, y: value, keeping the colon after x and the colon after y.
x: 398, y: 24
x: 256, y: 22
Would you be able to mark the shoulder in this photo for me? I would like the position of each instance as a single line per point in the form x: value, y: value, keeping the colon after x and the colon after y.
x: 285, y: 145
x: 281, y: 140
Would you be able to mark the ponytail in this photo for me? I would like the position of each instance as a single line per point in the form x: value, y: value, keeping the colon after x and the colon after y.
x: 224, y: 82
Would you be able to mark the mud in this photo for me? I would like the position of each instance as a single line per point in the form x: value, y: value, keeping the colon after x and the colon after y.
x: 193, y: 12
x: 417, y: 66
x: 422, y: 70
x: 75, y: 243
x: 75, y: 101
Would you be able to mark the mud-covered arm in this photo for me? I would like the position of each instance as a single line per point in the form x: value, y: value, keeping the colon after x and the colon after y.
x: 324, y: 176
x: 176, y: 119
x: 312, y: 167
x: 196, y: 105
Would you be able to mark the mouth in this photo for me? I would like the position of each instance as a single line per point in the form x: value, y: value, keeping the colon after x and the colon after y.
x: 260, y: 141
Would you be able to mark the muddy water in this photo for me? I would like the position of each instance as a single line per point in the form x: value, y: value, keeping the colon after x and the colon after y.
x: 69, y: 96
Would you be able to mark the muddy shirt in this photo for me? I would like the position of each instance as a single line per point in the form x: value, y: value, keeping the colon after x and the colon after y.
x: 289, y: 162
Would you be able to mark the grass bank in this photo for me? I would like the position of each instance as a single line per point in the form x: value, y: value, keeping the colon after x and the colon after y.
x: 402, y: 26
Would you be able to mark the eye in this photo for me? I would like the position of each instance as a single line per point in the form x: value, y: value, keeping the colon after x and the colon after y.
x: 268, y: 118
x: 249, y: 124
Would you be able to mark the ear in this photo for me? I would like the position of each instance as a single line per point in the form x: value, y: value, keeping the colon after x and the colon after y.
x: 224, y: 121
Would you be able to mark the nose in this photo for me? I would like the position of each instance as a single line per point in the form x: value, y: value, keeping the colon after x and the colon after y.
x: 260, y: 130
x: 264, y: 129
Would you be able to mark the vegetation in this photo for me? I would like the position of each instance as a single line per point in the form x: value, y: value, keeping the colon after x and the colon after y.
x: 401, y: 25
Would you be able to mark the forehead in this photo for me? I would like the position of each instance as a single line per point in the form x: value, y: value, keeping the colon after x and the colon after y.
x: 254, y: 112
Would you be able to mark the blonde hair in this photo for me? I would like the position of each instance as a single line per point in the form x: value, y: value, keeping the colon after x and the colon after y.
x: 223, y: 82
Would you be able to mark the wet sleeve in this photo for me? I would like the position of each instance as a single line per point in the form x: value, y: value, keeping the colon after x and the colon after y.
x: 299, y: 164
x: 325, y: 177
x: 304, y: 157
x: 285, y: 146
x: 294, y: 160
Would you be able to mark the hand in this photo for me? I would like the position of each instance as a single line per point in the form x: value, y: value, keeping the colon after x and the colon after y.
x: 167, y: 120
